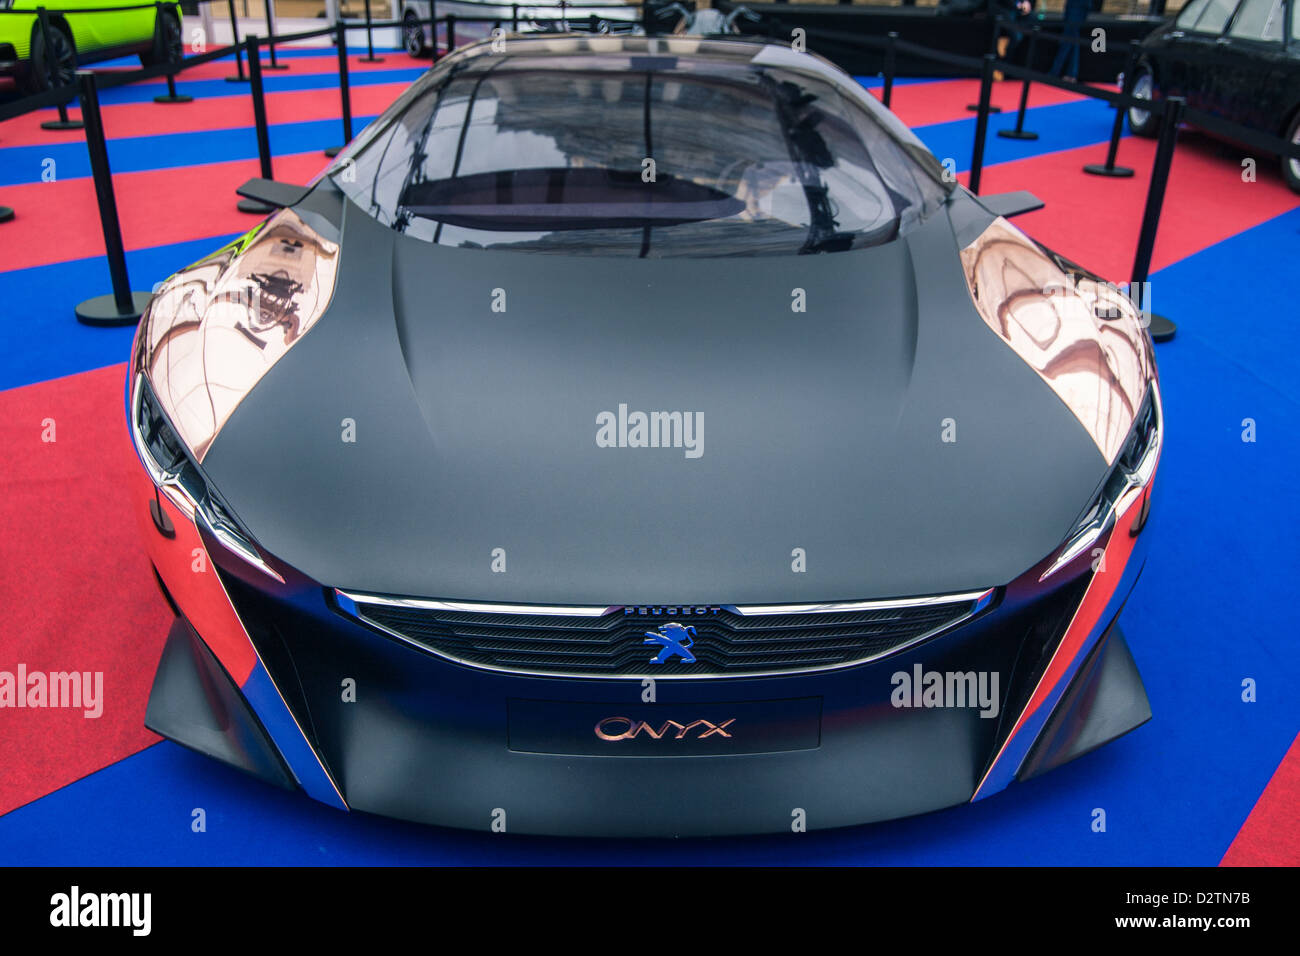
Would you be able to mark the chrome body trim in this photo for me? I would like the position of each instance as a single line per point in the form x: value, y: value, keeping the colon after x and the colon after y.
x: 1138, y: 478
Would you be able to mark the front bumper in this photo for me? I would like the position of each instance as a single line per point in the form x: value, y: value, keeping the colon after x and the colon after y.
x: 304, y: 696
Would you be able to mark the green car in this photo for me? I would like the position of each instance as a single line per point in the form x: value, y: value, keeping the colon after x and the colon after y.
x: 78, y: 38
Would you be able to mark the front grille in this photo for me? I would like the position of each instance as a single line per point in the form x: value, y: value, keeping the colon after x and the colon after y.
x: 726, y: 640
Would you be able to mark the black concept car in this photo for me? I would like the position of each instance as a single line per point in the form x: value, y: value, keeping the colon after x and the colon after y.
x: 633, y: 436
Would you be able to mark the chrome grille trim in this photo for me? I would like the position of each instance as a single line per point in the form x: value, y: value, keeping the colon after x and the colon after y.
x: 353, y: 603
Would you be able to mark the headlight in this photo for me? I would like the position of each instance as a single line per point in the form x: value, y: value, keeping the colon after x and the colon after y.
x: 177, y: 475
x: 207, y: 338
x: 1133, y: 469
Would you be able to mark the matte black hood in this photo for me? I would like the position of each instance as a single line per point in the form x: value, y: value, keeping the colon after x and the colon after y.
x: 822, y: 430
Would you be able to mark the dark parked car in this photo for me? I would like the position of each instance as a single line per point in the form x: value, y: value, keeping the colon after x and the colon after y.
x: 1238, y: 59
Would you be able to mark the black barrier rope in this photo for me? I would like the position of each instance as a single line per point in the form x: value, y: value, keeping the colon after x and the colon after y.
x: 64, y: 10
x: 122, y: 306
x: 32, y: 102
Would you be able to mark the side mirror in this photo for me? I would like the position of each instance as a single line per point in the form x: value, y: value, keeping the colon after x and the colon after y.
x: 268, y: 191
x: 1007, y: 205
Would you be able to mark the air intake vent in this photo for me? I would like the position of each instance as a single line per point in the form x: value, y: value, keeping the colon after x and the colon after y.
x: 623, y: 642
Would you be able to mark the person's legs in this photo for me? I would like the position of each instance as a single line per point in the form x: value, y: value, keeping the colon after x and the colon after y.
x: 1004, y: 41
x: 1062, y: 52
x: 1070, y: 51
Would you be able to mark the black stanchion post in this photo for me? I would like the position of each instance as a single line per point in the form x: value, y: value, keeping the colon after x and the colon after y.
x: 982, y: 122
x: 63, y: 122
x: 160, y: 43
x: 1020, y: 132
x: 259, y: 121
x: 122, y: 306
x: 1109, y: 168
x: 514, y: 18
x: 1161, y: 328
x: 433, y: 27
x: 270, y: 38
x: 370, y: 41
x: 239, y: 63
x: 891, y: 57
x: 345, y: 95
x: 451, y: 32
x: 993, y: 51
x: 564, y: 15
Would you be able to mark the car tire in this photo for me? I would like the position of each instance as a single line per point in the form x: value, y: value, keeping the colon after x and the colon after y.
x: 55, y: 67
x: 167, y: 48
x: 413, y: 36
x: 1291, y: 167
x: 1143, y: 122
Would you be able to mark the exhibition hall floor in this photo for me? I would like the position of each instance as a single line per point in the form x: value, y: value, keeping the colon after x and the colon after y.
x: 1210, y: 778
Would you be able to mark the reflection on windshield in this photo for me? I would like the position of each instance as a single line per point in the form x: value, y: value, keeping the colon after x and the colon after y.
x: 639, y: 162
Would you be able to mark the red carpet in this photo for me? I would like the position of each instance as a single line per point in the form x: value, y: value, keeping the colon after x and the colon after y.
x: 942, y: 101
x: 219, y: 112
x: 1271, y: 834
x: 1096, y: 221
x: 77, y: 590
x: 60, y: 220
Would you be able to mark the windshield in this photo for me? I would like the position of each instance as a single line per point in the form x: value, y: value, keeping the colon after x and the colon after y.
x: 638, y: 158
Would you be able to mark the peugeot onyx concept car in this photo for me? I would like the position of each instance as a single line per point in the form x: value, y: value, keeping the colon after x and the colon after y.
x: 640, y: 436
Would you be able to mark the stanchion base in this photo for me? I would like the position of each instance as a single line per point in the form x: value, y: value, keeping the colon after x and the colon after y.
x: 237, y: 79
x: 1162, y: 330
x: 178, y: 98
x: 102, y: 310
x: 6, y: 213
x: 1017, y: 134
x: 1101, y: 169
x: 975, y: 108
x: 277, y: 66
x: 333, y: 151
x: 370, y: 59
x: 63, y: 124
x: 254, y: 207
